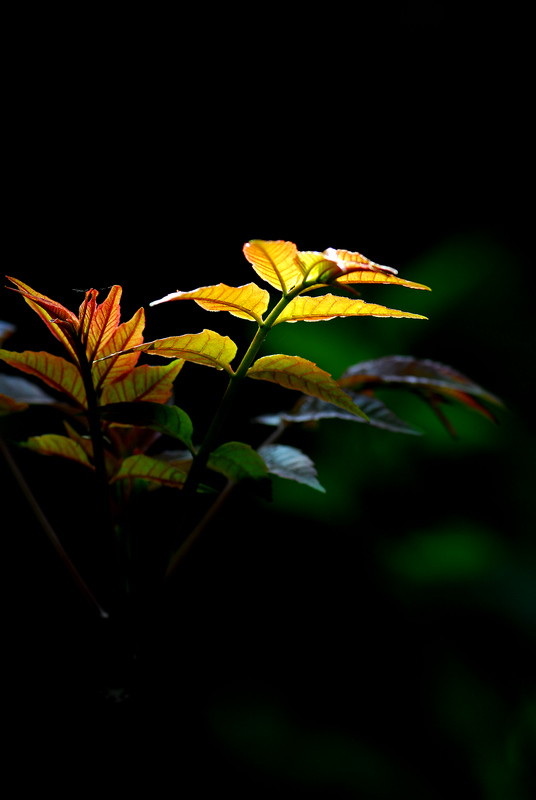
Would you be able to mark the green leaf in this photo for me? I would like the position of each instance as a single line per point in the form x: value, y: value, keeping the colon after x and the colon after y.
x: 248, y: 302
x: 150, y: 469
x: 170, y: 420
x: 53, y: 444
x: 291, y: 463
x: 304, y: 376
x: 237, y: 461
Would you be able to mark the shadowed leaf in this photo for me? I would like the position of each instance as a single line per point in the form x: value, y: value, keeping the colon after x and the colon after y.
x: 304, y: 376
x: 237, y: 461
x: 150, y: 469
x: 170, y: 420
x: 247, y: 302
x: 154, y: 384
x: 328, y: 306
x: 53, y: 444
x: 53, y: 370
x: 8, y: 405
x: 275, y: 262
x: 291, y: 463
x: 24, y: 391
x: 6, y: 330
x: 128, y: 334
x: 207, y: 348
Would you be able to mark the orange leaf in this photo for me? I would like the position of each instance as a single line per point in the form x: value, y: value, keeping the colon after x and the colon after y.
x: 207, y: 348
x: 146, y: 383
x: 328, y: 306
x: 53, y: 370
x: 275, y: 262
x: 128, y: 334
x: 53, y: 444
x: 104, y: 323
x: 297, y: 373
x: 247, y: 302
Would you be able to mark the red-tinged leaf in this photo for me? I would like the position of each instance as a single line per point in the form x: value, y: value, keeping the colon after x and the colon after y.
x: 127, y: 335
x: 369, y: 276
x: 8, y: 405
x: 50, y: 310
x: 351, y: 259
x: 105, y: 321
x: 6, y: 330
x: 275, y: 262
x: 53, y: 370
x: 86, y: 313
x: 151, y: 469
x: 111, y: 462
x: 328, y: 306
x: 290, y: 463
x: 237, y: 461
x: 53, y: 444
x: 470, y: 402
x: 150, y: 384
x: 207, y: 347
x: 247, y: 302
x: 297, y: 373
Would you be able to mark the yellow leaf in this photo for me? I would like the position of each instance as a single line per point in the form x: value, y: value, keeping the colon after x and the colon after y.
x: 297, y: 373
x: 207, y: 348
x: 150, y: 384
x: 356, y: 260
x: 104, y: 323
x: 247, y: 302
x: 128, y: 334
x: 53, y: 370
x: 328, y: 306
x: 371, y: 276
x: 275, y: 262
x: 53, y: 444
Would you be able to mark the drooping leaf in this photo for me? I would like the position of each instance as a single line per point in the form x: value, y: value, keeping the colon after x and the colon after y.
x: 275, y: 262
x: 291, y: 463
x: 104, y: 323
x: 170, y: 420
x: 310, y: 409
x: 150, y: 469
x: 304, y: 376
x: 207, y: 348
x: 150, y: 384
x: 50, y: 310
x: 247, y: 302
x: 237, y: 461
x: 328, y: 306
x: 24, y: 391
x: 53, y: 444
x: 127, y: 335
x: 53, y: 370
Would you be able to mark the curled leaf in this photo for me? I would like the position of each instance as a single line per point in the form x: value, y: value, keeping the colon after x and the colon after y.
x: 291, y: 463
x: 247, y: 302
x: 304, y: 376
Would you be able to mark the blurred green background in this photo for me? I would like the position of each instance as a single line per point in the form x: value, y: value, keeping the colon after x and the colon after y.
x: 376, y: 641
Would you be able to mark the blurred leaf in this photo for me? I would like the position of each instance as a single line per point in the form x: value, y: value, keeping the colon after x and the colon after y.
x: 151, y: 469
x: 53, y: 444
x: 275, y: 262
x: 328, y: 306
x: 291, y: 463
x: 247, y: 302
x: 53, y: 370
x: 6, y: 330
x: 207, y: 348
x: 237, y: 461
x: 145, y: 383
x: 297, y: 373
x: 24, y: 391
x: 10, y: 406
x: 170, y: 420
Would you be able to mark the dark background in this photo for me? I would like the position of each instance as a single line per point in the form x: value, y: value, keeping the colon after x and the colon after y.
x: 375, y: 641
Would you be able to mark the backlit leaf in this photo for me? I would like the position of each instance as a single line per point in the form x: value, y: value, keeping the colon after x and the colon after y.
x: 328, y: 306
x: 297, y: 373
x: 369, y: 276
x: 104, y: 323
x: 291, y: 463
x: 275, y: 262
x: 170, y: 420
x: 146, y: 383
x: 128, y: 334
x: 53, y: 370
x: 53, y: 444
x: 237, y: 461
x: 247, y: 302
x: 207, y: 348
x: 352, y: 259
x: 150, y: 469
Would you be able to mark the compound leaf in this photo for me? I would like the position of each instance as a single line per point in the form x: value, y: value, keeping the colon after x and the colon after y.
x: 247, y: 302
x: 304, y: 376
x: 291, y: 463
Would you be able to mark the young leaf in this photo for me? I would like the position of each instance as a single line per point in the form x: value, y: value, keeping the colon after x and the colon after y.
x: 53, y: 444
x: 207, y: 348
x: 328, y: 306
x: 297, y: 373
x: 150, y: 469
x: 53, y: 370
x: 145, y: 383
x: 109, y: 369
x: 170, y: 420
x: 310, y: 409
x: 104, y: 323
x: 236, y: 461
x: 291, y: 463
x: 275, y: 262
x: 370, y: 276
x: 8, y: 405
x: 247, y: 302
x: 351, y: 259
